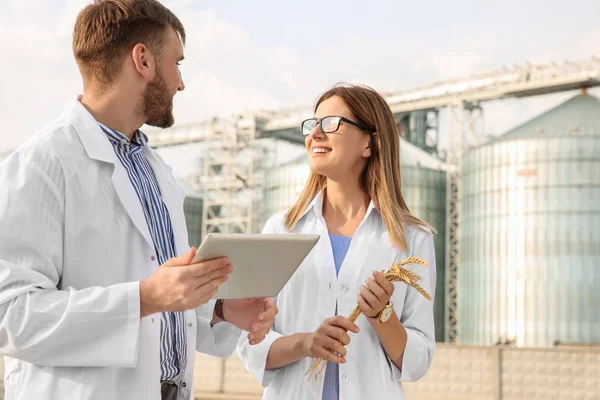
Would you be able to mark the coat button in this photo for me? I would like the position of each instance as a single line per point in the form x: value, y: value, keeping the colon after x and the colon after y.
x: 184, y: 384
x: 345, y: 288
x: 152, y: 319
x: 153, y: 258
x: 189, y: 324
x: 345, y: 378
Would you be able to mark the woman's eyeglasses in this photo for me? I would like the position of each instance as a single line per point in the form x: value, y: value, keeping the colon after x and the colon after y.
x: 329, y: 124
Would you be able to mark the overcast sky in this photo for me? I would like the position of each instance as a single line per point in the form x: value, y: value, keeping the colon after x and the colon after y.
x: 270, y: 54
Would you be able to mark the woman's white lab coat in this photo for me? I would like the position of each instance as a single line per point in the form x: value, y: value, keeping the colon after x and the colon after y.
x: 311, y: 296
x: 73, y: 246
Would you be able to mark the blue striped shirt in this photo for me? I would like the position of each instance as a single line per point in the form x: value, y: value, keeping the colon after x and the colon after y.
x: 141, y: 175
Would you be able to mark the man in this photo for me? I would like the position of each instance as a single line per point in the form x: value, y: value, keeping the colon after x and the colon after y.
x: 98, y: 296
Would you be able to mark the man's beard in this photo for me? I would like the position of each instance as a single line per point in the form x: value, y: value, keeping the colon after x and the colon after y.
x: 157, y: 103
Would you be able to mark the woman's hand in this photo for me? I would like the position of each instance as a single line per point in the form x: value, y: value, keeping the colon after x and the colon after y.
x: 328, y: 337
x: 374, y: 295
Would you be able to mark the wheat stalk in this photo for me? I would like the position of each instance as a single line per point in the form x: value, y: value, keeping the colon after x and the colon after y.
x: 396, y: 273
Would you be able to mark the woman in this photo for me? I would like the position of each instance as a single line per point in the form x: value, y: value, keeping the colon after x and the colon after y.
x: 353, y: 199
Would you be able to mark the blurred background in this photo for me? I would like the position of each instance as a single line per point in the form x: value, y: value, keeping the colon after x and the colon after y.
x: 498, y: 107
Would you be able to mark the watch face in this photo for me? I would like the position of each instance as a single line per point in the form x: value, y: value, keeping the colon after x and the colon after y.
x: 386, y: 314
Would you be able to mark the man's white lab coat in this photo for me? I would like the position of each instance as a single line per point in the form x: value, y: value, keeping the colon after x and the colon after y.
x: 74, y: 245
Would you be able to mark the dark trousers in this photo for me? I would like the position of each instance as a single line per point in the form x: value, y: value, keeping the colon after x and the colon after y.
x: 168, y: 391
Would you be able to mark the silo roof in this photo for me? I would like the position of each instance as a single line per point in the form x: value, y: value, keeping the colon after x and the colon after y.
x: 580, y: 115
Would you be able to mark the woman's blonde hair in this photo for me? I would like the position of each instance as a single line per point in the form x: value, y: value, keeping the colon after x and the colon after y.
x: 381, y: 178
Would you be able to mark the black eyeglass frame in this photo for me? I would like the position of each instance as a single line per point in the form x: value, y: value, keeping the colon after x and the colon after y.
x: 360, y: 126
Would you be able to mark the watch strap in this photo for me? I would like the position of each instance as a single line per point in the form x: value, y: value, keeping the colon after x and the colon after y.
x: 219, y: 309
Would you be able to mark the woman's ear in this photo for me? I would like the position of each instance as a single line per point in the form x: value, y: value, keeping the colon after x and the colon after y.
x: 373, y: 138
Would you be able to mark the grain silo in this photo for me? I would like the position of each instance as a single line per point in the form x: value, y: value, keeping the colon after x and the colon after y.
x: 192, y: 209
x: 282, y: 186
x: 530, y: 232
x: 424, y: 189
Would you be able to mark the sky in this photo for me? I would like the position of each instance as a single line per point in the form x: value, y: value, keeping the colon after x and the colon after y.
x: 248, y: 55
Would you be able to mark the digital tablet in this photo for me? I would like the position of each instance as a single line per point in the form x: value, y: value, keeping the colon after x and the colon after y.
x: 262, y: 263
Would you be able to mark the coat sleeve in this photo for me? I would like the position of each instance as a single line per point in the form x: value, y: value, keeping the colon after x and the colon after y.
x: 417, y: 315
x: 219, y: 340
x: 40, y: 324
x: 254, y: 357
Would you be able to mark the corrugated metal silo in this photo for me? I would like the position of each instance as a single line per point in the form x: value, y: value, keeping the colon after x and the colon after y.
x: 424, y: 190
x: 192, y: 209
x: 283, y: 185
x: 530, y: 232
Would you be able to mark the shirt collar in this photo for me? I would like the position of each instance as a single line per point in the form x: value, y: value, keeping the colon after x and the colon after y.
x: 139, y: 138
x: 317, y: 206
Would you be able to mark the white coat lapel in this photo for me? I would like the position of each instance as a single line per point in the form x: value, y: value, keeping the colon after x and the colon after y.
x: 98, y: 147
x: 370, y: 249
x: 130, y: 200
x: 323, y: 255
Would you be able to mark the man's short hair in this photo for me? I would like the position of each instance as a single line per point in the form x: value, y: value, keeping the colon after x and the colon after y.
x: 106, y: 29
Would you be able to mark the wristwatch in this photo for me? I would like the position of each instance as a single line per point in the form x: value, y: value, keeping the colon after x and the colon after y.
x: 219, y: 309
x: 386, y: 313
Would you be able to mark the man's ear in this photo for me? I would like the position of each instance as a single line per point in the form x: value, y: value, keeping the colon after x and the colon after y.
x: 143, y: 61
